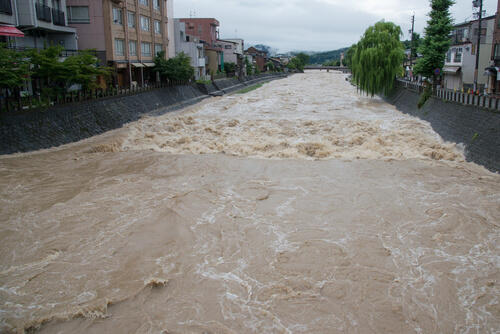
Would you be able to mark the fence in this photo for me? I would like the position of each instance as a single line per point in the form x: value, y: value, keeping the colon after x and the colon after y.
x: 29, y: 103
x: 482, y: 101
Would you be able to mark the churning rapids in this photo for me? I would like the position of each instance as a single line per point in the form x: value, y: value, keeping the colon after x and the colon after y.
x: 300, y: 207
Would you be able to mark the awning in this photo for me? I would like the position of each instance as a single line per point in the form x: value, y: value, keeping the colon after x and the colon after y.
x: 149, y: 64
x: 492, y: 70
x: 451, y: 69
x: 10, y: 31
x: 137, y: 65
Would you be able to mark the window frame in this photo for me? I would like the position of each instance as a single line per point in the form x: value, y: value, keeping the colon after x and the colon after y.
x: 117, y: 40
x: 145, y: 19
x: 129, y: 21
x: 115, y: 11
x: 157, y: 24
x: 134, y: 43
x: 143, y: 53
x: 69, y: 11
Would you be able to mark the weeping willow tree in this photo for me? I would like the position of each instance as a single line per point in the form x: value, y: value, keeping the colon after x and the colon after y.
x: 378, y: 58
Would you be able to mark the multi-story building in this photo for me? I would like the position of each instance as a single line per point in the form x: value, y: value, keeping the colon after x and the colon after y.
x: 129, y: 32
x: 206, y: 29
x: 259, y: 58
x: 41, y: 22
x: 192, y: 47
x: 459, y: 67
x: 494, y: 69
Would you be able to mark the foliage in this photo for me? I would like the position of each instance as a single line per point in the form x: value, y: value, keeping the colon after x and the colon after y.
x: 378, y: 58
x: 417, y: 40
x: 437, y: 39
x: 270, y: 66
x: 298, y: 62
x: 249, y: 89
x: 323, y: 57
x: 177, y: 68
x: 248, y: 66
x: 57, y: 76
x: 303, y: 58
x: 332, y: 63
x: 349, y: 55
x: 229, y: 68
x: 14, y: 68
x: 424, y: 97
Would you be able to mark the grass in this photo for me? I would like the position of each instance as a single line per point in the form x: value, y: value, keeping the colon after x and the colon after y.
x: 249, y: 89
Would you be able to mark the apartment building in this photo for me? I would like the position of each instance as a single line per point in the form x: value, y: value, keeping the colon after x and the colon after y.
x: 36, y: 24
x: 206, y: 29
x: 192, y: 47
x: 130, y: 33
x: 494, y: 68
x: 459, y: 67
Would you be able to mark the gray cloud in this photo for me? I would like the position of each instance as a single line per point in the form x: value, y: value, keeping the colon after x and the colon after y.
x: 316, y: 25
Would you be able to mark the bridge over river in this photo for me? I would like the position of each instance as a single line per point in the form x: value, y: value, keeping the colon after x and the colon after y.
x: 342, y: 69
x: 299, y: 207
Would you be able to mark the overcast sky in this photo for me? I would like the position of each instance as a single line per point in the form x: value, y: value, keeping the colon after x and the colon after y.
x: 313, y: 25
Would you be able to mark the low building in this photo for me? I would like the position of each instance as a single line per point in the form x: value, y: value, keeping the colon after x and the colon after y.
x: 192, y: 47
x: 459, y: 67
x: 259, y: 58
x: 207, y: 30
x: 129, y: 33
x: 494, y: 68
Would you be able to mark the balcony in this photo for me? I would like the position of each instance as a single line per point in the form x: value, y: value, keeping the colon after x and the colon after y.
x: 58, y: 17
x: 43, y: 12
x: 5, y: 7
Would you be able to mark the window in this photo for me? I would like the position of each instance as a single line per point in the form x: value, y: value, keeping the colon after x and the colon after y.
x: 158, y: 48
x: 143, y: 2
x: 144, y: 23
x: 132, y: 48
x: 483, y: 31
x: 497, y: 52
x: 131, y: 19
x: 6, y: 7
x: 156, y: 4
x: 200, y: 29
x: 448, y: 56
x: 157, y: 27
x: 78, y: 14
x: 119, y: 47
x: 146, y: 49
x: 458, y: 55
x: 228, y: 47
x: 117, y: 16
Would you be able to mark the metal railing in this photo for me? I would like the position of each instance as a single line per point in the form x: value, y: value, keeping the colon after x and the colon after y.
x: 58, y: 17
x: 43, y: 12
x: 5, y: 7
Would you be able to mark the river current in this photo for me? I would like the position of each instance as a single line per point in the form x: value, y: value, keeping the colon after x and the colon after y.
x: 300, y: 207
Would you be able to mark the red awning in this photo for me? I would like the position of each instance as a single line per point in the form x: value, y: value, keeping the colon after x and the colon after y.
x: 10, y: 31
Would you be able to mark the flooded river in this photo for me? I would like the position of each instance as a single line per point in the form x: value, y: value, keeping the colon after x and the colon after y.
x: 300, y: 207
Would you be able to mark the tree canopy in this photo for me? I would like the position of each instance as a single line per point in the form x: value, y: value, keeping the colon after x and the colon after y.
x: 177, y: 68
x: 14, y: 68
x: 298, y: 62
x: 378, y: 58
x: 437, y: 39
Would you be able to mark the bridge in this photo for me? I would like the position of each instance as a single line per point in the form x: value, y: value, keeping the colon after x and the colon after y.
x: 343, y: 69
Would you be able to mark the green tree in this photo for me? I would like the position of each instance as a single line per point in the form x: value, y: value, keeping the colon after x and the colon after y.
x: 416, y: 44
x: 14, y: 68
x: 303, y: 58
x: 436, y: 41
x: 84, y: 69
x: 270, y: 66
x: 349, y: 55
x: 248, y: 66
x: 177, y: 68
x: 229, y: 68
x: 378, y: 58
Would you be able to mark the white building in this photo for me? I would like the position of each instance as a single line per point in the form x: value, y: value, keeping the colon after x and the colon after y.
x: 192, y: 47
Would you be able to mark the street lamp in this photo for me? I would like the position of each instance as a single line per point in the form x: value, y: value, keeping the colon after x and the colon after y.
x: 475, y: 4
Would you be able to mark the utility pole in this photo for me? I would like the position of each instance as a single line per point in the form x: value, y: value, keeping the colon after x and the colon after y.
x: 475, y: 4
x: 411, y: 44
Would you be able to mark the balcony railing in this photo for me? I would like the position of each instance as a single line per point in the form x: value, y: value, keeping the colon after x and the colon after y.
x: 43, y: 12
x: 58, y: 17
x: 5, y: 7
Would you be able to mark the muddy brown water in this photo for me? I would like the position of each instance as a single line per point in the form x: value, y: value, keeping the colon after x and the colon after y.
x: 301, y: 207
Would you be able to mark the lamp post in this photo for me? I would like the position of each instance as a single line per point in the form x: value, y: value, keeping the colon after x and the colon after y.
x: 475, y: 4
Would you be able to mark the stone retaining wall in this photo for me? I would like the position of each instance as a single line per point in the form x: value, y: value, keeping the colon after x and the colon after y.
x: 478, y: 129
x: 29, y: 131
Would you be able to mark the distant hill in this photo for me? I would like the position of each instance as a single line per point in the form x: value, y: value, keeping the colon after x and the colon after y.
x: 323, y: 57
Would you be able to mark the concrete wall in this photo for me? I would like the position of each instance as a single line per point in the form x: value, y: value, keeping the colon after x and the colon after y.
x: 477, y: 128
x: 28, y: 131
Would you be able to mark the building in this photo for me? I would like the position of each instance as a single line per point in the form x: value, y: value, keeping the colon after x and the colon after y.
x: 459, y: 67
x: 494, y: 69
x: 235, y: 54
x: 128, y: 32
x: 259, y: 58
x: 41, y: 22
x: 207, y: 30
x: 192, y: 47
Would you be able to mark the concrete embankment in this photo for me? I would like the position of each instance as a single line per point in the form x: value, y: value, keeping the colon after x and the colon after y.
x: 29, y: 131
x: 476, y: 128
